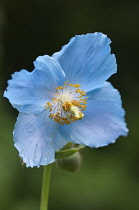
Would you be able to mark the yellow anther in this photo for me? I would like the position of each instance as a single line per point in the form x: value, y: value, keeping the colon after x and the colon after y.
x: 60, y: 87
x: 75, y: 85
x: 49, y: 104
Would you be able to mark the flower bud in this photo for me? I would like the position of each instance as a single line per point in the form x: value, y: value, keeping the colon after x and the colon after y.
x: 71, y: 163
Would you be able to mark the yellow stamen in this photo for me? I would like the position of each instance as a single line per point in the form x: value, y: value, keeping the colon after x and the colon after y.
x: 68, y: 104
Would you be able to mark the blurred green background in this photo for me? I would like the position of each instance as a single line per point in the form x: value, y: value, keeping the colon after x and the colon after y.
x: 109, y: 176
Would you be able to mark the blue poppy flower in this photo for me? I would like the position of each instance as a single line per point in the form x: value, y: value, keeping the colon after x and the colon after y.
x: 66, y: 99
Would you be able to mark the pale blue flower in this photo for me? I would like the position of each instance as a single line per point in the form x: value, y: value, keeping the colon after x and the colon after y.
x: 66, y: 99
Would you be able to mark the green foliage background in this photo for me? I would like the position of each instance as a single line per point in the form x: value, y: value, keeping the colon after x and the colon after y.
x: 109, y: 176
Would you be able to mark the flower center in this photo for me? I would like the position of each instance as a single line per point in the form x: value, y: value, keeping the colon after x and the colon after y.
x: 68, y: 104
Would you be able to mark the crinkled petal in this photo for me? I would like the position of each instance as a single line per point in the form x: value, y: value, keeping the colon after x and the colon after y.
x: 35, y: 137
x: 87, y: 60
x: 29, y: 91
x: 103, y: 120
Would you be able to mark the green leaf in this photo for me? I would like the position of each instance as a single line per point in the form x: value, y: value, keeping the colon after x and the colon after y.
x: 68, y: 152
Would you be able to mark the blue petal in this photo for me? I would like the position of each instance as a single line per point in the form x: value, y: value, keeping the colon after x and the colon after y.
x: 87, y: 60
x: 35, y: 138
x: 103, y: 120
x: 28, y: 92
x: 59, y: 140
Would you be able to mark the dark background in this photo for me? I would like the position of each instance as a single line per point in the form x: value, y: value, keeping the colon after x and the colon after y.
x: 109, y: 176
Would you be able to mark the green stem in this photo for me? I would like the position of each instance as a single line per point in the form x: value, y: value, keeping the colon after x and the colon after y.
x: 45, y: 187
